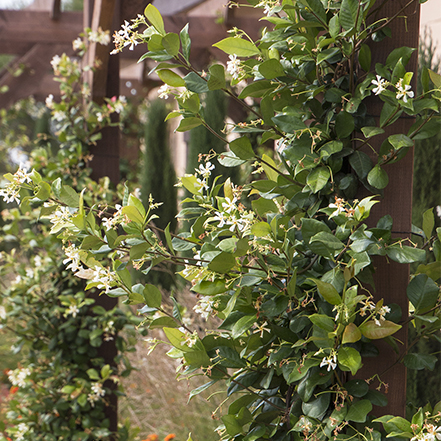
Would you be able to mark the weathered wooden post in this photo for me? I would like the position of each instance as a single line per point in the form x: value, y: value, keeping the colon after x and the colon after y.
x: 391, y: 278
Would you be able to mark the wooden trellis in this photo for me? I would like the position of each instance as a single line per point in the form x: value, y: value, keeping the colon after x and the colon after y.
x: 37, y: 36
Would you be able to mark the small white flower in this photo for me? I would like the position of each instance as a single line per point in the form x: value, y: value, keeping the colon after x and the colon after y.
x: 98, y: 390
x: 164, y: 91
x: 2, y: 312
x: 50, y: 101
x: 381, y: 84
x: 330, y: 361
x: 229, y: 205
x: 73, y: 310
x: 234, y: 67
x: 403, y: 91
x: 205, y: 171
x: 220, y: 217
x: 56, y: 60
x: 77, y: 44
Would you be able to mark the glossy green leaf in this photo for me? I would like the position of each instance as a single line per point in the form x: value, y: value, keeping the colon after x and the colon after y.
x: 222, y: 263
x: 152, y: 296
x: 359, y: 411
x: 423, y: 293
x: 351, y: 334
x: 271, y: 68
x: 349, y: 14
x: 188, y: 124
x: 155, y: 18
x: 405, y: 254
x: 344, y: 124
x: 261, y: 229
x: 242, y: 148
x: 420, y: 361
x: 428, y: 222
x: 349, y: 359
x: 364, y: 57
x: 171, y: 43
x: 185, y: 42
x: 216, y: 80
x: 196, y: 83
x: 171, y: 78
x: 243, y: 325
x: 370, y: 131
x: 374, y: 332
x: 69, y: 196
x: 237, y: 46
x: 318, y: 178
x: 377, y: 177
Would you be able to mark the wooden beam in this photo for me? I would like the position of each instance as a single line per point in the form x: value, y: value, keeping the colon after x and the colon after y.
x: 37, y: 77
x: 24, y: 27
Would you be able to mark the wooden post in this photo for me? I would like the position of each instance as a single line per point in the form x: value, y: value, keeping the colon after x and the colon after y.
x: 104, y: 82
x: 391, y: 278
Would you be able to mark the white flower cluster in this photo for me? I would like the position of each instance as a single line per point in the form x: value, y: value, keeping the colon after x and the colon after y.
x: 190, y: 338
x: 73, y: 256
x: 22, y: 428
x: 269, y: 6
x: 105, y: 277
x: 18, y: 377
x: 204, y: 307
x: 126, y: 36
x: 234, y: 67
x: 205, y: 172
x: 402, y: 91
x: 112, y: 222
x: 109, y: 330
x: 429, y: 433
x: 340, y: 206
x: 60, y: 217
x: 371, y: 307
x: 99, y: 36
x: 97, y: 392
x: 232, y: 216
x: 12, y: 192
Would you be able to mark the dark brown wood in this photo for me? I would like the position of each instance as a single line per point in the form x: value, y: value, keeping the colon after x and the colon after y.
x: 391, y: 278
x: 37, y: 75
x: 56, y: 10
x: 37, y: 27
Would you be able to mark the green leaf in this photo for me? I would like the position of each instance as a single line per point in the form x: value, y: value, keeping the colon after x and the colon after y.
x: 374, y: 332
x: 349, y: 359
x: 344, y: 124
x: 177, y: 339
x: 133, y: 214
x: 216, y: 80
x: 271, y: 69
x: 351, y: 334
x: 237, y: 46
x: 422, y: 292
x: 428, y: 222
x: 364, y: 57
x: 400, y: 141
x: 257, y: 89
x: 155, y: 18
x: 171, y: 78
x: 323, y: 322
x: 361, y: 163
x: 188, y: 124
x: 222, y: 263
x: 420, y: 361
x: 348, y: 14
x: 318, y: 178
x: 152, y: 296
x: 404, y: 53
x: 316, y: 408
x: 185, y: 42
x: 359, y: 411
x: 436, y: 78
x: 328, y: 292
x: 171, y: 43
x: 195, y: 83
x: 243, y: 325
x: 316, y: 8
x: 326, y: 54
x: 334, y: 26
x: 261, y: 229
x: 200, y: 389
x: 405, y: 254
x: 378, y: 178
x: 242, y: 148
x: 370, y: 131
x: 207, y: 287
x: 289, y: 123
x: 69, y: 196
x: 330, y: 148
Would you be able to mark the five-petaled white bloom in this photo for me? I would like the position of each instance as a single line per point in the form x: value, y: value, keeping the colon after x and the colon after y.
x: 73, y: 310
x: 381, y: 84
x: 403, y: 91
x: 229, y: 205
x: 205, y: 171
x: 234, y: 67
x: 164, y: 91
x: 330, y: 361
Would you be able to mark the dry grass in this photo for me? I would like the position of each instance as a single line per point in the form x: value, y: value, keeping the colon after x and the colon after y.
x: 156, y: 401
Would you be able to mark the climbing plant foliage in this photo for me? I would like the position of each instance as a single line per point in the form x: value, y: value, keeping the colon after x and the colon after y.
x: 290, y: 279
